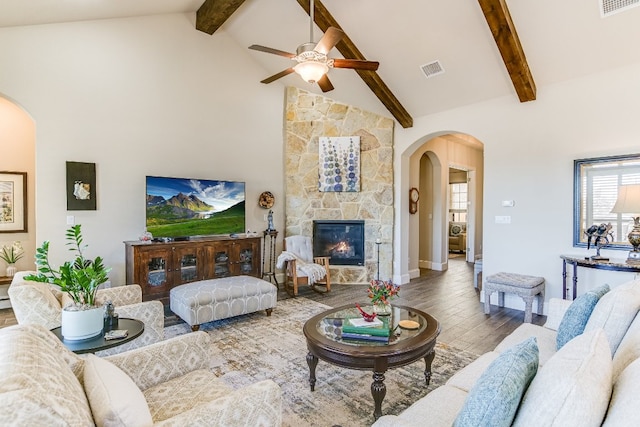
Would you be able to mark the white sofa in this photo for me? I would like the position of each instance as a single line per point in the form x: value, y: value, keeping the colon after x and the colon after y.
x: 594, y: 379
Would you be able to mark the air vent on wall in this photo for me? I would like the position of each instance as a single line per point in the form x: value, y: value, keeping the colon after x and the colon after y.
x: 433, y: 68
x: 611, y: 7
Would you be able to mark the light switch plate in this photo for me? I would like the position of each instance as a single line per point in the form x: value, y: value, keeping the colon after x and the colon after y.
x: 503, y: 219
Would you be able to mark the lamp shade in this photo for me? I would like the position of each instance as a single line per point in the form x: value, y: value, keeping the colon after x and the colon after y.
x: 311, y: 71
x: 628, y: 199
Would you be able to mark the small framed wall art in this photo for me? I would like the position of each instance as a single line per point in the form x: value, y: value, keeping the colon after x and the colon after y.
x: 13, y: 202
x: 81, y: 186
x: 339, y: 164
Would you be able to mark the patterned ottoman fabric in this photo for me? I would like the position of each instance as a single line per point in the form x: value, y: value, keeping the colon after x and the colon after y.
x: 527, y: 287
x: 517, y: 280
x: 208, y: 300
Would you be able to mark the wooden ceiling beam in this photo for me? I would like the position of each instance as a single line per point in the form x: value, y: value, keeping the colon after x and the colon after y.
x: 504, y: 32
x: 348, y: 49
x: 213, y: 13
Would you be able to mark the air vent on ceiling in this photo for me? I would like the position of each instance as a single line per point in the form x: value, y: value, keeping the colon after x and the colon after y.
x: 611, y: 7
x: 433, y: 68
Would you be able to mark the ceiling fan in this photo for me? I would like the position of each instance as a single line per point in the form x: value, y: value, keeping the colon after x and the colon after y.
x: 312, y: 60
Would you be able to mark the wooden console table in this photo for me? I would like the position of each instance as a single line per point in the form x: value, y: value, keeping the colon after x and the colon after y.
x: 613, y: 264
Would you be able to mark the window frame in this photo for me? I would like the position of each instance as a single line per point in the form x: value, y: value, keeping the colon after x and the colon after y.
x: 582, y: 169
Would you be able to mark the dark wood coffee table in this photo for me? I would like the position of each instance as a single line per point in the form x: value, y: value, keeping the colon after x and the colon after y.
x: 134, y: 328
x: 324, y: 341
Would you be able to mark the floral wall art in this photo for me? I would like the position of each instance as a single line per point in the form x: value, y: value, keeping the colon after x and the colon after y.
x: 339, y: 164
x: 13, y: 202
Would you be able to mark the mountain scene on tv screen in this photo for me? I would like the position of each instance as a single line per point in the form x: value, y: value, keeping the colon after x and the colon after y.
x: 177, y: 208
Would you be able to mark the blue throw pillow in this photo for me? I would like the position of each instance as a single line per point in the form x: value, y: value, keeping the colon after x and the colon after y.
x: 494, y: 399
x: 577, y: 315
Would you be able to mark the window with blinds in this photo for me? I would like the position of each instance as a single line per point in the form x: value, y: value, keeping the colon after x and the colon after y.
x: 599, y: 184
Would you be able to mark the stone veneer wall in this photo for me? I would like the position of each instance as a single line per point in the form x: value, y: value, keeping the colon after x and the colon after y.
x: 310, y: 116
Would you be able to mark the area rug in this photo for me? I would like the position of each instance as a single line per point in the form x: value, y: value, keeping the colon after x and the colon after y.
x: 254, y: 347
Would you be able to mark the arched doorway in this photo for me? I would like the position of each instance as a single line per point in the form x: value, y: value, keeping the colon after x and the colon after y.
x: 430, y: 163
x: 17, y: 145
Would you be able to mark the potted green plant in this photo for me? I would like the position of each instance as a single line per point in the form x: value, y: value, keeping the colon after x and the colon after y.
x: 80, y: 278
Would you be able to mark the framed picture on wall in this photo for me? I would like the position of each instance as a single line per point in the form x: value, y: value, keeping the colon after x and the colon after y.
x: 339, y: 164
x: 13, y: 202
x: 81, y: 186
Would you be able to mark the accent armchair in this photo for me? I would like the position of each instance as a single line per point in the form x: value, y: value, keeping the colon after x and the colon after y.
x: 41, y: 304
x: 457, y: 236
x: 301, y: 268
x: 168, y: 383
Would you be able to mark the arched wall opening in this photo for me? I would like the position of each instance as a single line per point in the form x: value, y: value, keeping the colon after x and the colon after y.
x: 429, y: 160
x: 17, y: 145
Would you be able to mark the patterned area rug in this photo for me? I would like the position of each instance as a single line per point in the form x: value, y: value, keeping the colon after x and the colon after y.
x: 254, y: 347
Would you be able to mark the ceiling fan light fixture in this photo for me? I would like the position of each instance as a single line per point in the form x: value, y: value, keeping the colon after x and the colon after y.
x: 311, y: 71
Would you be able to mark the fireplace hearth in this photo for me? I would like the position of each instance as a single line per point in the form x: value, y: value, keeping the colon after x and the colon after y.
x: 341, y: 240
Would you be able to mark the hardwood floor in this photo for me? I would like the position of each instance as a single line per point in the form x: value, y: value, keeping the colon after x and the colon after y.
x: 449, y: 296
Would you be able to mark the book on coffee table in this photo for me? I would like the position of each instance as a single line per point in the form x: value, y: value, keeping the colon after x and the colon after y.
x: 361, y: 323
x: 364, y: 337
x: 381, y: 330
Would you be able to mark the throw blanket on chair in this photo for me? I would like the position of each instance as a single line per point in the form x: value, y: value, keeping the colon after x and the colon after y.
x: 313, y: 271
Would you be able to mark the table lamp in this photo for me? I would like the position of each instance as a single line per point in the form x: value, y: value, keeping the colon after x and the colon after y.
x: 629, y: 202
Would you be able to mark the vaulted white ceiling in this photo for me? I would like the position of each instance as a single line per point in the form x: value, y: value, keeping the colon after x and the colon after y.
x: 561, y: 39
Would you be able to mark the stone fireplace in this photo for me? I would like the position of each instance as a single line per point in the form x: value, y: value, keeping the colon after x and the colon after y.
x: 308, y: 117
x: 342, y: 241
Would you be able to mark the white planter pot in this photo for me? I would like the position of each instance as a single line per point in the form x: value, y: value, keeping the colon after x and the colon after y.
x: 11, y: 270
x: 82, y: 324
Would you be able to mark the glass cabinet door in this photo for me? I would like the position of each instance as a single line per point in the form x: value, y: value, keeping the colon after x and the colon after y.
x: 186, y: 264
x: 222, y: 261
x: 155, y: 269
x: 247, y: 257
x: 246, y: 260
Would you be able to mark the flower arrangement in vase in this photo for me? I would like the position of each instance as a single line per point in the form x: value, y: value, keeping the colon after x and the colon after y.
x: 11, y: 255
x: 381, y: 292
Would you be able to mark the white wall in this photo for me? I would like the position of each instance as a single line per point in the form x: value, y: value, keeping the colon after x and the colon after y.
x: 529, y: 153
x: 140, y: 96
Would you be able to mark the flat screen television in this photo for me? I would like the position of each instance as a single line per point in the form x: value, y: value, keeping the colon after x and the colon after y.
x: 183, y: 207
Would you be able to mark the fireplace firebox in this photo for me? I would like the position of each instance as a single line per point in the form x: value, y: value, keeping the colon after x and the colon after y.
x: 342, y: 241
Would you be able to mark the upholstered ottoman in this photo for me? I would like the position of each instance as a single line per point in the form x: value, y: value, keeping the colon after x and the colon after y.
x: 527, y: 287
x: 208, y: 300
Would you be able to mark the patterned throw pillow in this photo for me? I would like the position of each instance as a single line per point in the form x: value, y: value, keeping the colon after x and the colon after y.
x: 455, y: 229
x: 577, y: 315
x: 494, y: 399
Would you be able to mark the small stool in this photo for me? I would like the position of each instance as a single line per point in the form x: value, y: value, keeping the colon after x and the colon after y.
x: 526, y: 287
x: 477, y: 273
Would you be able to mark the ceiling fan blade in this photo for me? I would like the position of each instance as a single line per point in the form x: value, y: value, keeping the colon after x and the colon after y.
x: 277, y: 76
x: 355, y: 64
x: 331, y: 38
x: 271, y: 50
x: 325, y: 84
